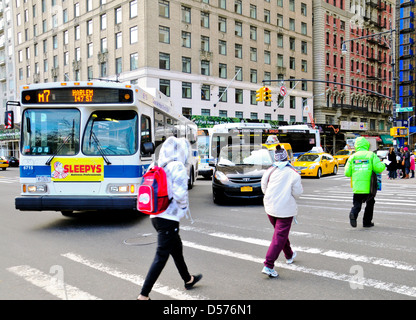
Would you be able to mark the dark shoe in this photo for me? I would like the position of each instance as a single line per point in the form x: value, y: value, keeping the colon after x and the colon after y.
x: 368, y: 225
x: 196, y: 279
x: 353, y: 221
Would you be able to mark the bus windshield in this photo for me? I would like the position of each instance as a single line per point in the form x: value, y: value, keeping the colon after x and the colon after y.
x: 111, y: 133
x: 45, y: 131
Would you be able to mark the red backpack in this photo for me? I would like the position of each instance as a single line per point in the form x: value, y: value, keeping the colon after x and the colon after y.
x: 152, y: 197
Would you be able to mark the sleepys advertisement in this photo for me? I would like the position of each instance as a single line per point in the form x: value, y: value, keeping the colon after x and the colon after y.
x: 77, y: 169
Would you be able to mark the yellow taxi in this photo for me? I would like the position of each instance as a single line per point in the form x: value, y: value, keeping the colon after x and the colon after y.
x: 273, y: 142
x: 4, y: 163
x: 343, y: 155
x: 312, y: 164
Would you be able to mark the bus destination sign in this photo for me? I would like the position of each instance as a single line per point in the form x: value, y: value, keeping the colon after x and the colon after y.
x: 77, y: 95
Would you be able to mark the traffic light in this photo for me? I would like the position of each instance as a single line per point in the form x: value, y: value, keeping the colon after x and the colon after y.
x: 399, y: 132
x: 267, y: 94
x: 260, y: 94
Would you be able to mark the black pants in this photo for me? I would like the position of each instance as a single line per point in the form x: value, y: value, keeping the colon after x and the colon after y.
x: 357, y: 202
x: 168, y: 243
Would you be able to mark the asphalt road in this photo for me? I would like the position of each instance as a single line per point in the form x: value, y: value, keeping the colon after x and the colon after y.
x: 45, y: 256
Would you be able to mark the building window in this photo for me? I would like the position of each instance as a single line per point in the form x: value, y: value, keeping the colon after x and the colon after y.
x: 205, y: 68
x: 186, y: 64
x: 118, y: 15
x: 223, y: 94
x: 253, y: 54
x: 266, y: 36
x: 187, y: 112
x: 133, y: 35
x: 205, y: 92
x: 222, y: 72
x: 205, y: 112
x: 134, y: 61
x: 164, y: 34
x: 238, y: 51
x: 103, y: 22
x: 238, y: 6
x: 186, y: 39
x: 239, y: 96
x: 205, y: 19
x: 164, y: 61
x: 186, y: 14
x: 186, y: 90
x: 253, y: 76
x: 119, y: 68
x: 133, y: 8
x: 164, y: 87
x: 238, y: 29
x: 222, y: 24
x: 222, y: 47
x: 164, y: 8
x: 253, y: 33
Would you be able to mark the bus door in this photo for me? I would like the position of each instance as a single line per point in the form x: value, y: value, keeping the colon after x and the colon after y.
x: 146, y: 134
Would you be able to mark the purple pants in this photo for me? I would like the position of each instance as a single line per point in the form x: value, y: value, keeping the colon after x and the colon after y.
x: 280, y: 240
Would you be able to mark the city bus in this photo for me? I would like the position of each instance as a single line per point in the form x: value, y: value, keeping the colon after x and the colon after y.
x: 302, y: 138
x: 86, y: 145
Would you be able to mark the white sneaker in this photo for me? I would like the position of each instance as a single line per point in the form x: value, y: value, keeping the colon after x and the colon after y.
x: 270, y: 272
x: 289, y: 261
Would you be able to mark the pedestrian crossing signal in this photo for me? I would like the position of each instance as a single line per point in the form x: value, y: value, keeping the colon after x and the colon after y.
x: 260, y: 94
x: 267, y: 94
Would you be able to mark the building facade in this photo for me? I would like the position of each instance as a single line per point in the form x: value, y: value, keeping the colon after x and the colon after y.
x: 357, y: 67
x: 407, y: 64
x: 193, y: 51
x: 9, y: 139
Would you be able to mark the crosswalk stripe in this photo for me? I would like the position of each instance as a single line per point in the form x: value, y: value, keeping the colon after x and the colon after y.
x: 51, y: 284
x: 354, y: 280
x: 134, y: 278
x: 329, y: 253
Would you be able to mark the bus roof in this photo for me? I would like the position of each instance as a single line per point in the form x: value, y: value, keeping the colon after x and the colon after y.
x: 224, y: 127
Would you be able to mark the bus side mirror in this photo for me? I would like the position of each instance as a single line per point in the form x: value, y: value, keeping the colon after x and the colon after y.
x: 148, y: 148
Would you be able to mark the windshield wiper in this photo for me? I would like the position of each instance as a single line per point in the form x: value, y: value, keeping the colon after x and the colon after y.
x: 60, y: 146
x: 100, y: 149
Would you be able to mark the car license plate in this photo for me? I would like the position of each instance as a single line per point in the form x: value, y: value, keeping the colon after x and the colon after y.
x: 246, y: 189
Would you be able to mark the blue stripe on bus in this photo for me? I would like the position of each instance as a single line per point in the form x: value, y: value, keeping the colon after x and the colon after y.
x: 111, y: 171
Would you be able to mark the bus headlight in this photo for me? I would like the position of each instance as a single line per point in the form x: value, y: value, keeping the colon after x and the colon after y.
x: 117, y: 189
x: 33, y: 188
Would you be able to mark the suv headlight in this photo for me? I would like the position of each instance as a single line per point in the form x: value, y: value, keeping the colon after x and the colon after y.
x: 220, y: 176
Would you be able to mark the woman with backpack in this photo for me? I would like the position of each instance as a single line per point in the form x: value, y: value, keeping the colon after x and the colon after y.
x: 173, y: 157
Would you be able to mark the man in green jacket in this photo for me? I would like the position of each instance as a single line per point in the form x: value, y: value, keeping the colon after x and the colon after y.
x: 360, y: 167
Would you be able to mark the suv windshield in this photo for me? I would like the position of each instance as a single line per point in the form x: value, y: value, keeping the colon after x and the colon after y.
x: 111, y: 133
x: 244, y: 155
x: 44, y: 131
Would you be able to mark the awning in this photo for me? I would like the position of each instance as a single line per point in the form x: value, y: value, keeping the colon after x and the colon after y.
x: 386, y: 138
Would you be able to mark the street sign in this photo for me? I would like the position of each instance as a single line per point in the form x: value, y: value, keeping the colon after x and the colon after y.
x: 407, y: 109
x: 283, y: 91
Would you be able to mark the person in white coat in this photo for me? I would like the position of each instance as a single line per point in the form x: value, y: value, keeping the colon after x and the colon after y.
x: 173, y: 157
x: 281, y: 184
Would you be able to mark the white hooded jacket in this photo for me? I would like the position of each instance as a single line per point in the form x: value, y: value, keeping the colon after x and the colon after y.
x: 173, y: 157
x: 280, y: 185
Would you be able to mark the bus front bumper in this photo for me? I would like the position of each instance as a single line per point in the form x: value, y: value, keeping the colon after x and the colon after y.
x: 74, y: 203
